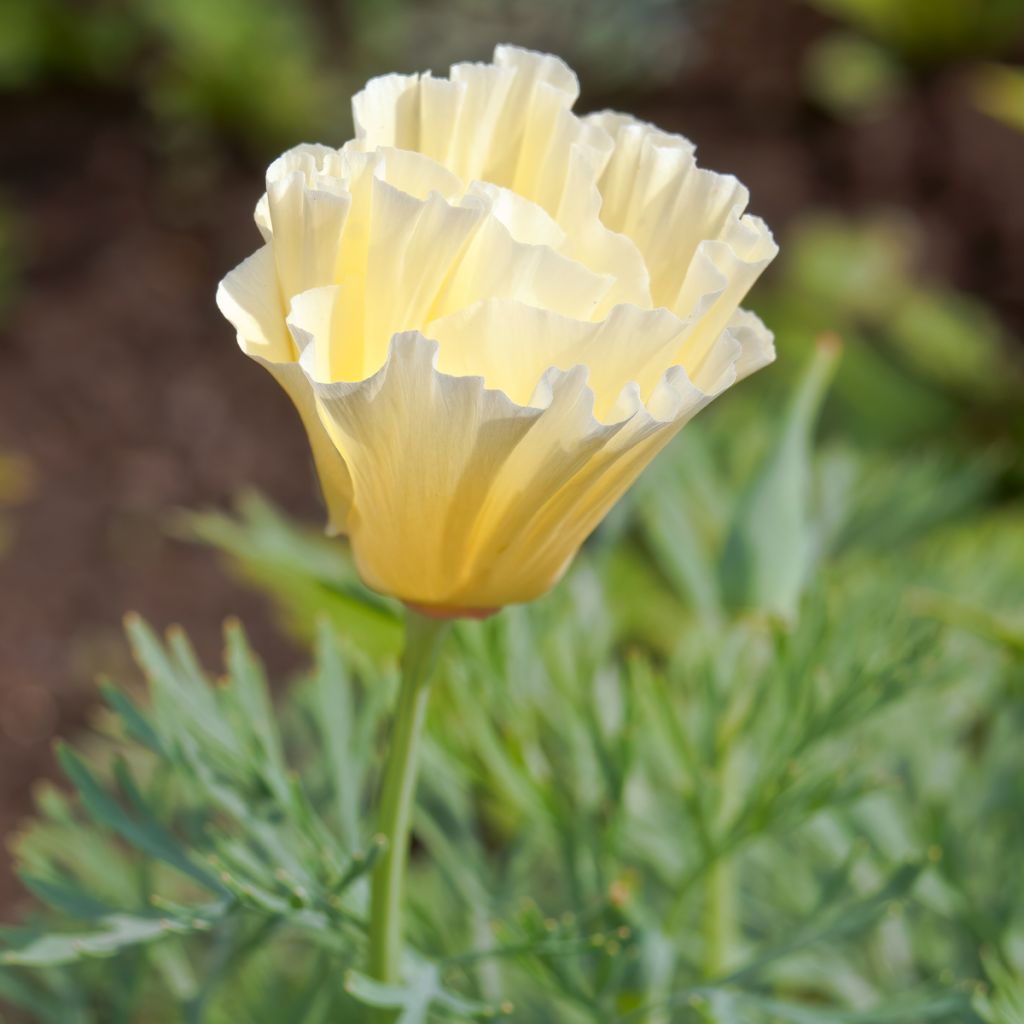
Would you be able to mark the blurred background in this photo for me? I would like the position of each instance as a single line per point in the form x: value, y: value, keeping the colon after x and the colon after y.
x: 882, y: 141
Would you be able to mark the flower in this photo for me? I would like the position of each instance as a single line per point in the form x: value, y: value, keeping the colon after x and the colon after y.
x: 491, y: 314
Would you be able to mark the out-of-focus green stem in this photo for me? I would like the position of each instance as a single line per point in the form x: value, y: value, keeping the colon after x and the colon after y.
x: 720, y: 934
x: 422, y: 643
x: 721, y: 921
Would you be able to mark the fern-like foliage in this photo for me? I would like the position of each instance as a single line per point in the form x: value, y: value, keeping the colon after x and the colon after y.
x: 727, y: 772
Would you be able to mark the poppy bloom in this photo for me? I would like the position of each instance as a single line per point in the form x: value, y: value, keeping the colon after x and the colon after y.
x: 491, y: 314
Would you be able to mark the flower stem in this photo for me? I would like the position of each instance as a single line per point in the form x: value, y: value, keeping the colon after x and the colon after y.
x: 721, y: 915
x: 720, y: 919
x: 422, y: 642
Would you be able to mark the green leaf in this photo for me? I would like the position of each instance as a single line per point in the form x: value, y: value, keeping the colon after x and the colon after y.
x: 136, y: 724
x: 998, y: 627
x: 680, y: 551
x: 1005, y: 1004
x: 777, y: 1011
x: 772, y: 544
x: 249, y: 688
x: 184, y: 705
x: 32, y: 996
x: 839, y: 920
x: 310, y: 576
x: 336, y: 720
x: 415, y: 999
x: 118, y: 932
x: 142, y: 831
x: 65, y: 897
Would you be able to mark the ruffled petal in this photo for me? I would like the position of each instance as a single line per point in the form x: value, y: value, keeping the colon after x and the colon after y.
x: 511, y: 345
x: 702, y: 250
x: 511, y: 124
x: 757, y: 343
x: 248, y: 298
x: 333, y: 474
x: 307, y: 224
x: 456, y: 485
x: 525, y: 221
x: 464, y: 497
x: 423, y: 450
x: 494, y: 265
x: 487, y: 121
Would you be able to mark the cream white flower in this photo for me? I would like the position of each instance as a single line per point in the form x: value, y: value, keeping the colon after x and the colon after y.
x: 491, y: 314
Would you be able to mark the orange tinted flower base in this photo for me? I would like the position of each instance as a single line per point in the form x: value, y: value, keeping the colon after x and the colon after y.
x: 433, y: 611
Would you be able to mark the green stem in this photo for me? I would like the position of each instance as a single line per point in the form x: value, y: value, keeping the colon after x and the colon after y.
x: 721, y: 914
x: 720, y: 932
x: 422, y: 642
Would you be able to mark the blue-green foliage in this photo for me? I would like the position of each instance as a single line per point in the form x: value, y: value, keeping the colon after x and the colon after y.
x: 725, y: 772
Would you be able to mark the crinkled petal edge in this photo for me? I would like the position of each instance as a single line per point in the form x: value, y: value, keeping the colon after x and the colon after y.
x: 750, y: 347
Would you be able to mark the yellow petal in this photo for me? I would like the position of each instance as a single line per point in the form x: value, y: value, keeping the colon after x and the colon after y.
x: 333, y: 474
x: 465, y: 498
x: 510, y: 124
x: 475, y: 122
x: 386, y: 112
x: 250, y: 300
x: 421, y: 449
x: 495, y: 265
x: 511, y: 345
x: 405, y: 261
x: 248, y: 297
x: 307, y: 224
x: 757, y: 344
x: 525, y: 221
x: 415, y: 174
x: 412, y: 246
x: 703, y: 252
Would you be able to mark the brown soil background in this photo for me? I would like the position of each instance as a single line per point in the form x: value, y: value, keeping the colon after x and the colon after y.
x: 123, y: 387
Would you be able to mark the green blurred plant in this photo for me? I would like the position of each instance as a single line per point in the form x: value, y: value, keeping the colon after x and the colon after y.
x: 851, y: 76
x: 999, y: 92
x: 45, y: 39
x: 921, y: 362
x: 934, y: 31
x: 858, y: 70
x: 272, y: 74
x: 1006, y: 1004
x: 310, y: 576
x: 251, y: 69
